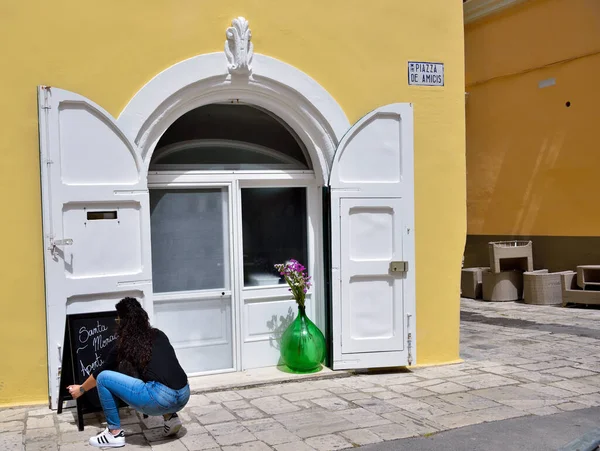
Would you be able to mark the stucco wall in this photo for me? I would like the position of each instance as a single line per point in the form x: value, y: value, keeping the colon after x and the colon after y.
x: 107, y: 51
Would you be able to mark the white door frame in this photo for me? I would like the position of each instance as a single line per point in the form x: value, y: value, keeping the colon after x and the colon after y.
x: 288, y: 93
x: 236, y: 181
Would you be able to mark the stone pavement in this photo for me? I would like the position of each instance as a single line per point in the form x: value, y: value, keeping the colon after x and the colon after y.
x: 520, y: 360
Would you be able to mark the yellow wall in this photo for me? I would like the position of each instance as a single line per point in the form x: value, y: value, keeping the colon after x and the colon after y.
x: 107, y: 51
x: 532, y: 162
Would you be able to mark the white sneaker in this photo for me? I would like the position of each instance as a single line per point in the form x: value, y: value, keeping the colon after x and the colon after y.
x: 106, y: 439
x: 172, y: 425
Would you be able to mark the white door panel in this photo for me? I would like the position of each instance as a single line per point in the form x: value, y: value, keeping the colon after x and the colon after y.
x: 372, y: 225
x: 95, y: 216
x: 372, y: 310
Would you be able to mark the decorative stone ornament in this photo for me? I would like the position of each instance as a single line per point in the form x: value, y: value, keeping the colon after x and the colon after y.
x: 238, y: 47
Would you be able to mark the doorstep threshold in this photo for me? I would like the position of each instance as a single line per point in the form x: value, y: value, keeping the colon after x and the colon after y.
x: 256, y: 378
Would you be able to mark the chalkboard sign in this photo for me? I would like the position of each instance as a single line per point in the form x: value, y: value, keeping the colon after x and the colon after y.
x: 89, y: 338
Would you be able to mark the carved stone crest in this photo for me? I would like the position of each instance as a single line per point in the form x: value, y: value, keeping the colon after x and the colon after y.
x: 238, y: 47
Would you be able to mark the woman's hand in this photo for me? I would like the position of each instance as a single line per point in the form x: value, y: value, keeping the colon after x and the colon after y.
x: 75, y: 391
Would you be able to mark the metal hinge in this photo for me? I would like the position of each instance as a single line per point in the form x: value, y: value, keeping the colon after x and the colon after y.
x: 46, y: 104
x: 55, y: 244
x: 409, y: 339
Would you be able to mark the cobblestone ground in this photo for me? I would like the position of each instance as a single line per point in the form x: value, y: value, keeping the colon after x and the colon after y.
x: 519, y: 360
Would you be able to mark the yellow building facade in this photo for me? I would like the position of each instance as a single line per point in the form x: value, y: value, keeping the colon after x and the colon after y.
x: 531, y: 156
x: 357, y: 55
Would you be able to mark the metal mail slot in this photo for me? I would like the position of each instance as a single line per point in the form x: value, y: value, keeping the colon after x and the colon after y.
x: 399, y: 267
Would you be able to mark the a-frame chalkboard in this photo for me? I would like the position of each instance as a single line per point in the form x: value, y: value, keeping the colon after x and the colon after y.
x: 88, y: 339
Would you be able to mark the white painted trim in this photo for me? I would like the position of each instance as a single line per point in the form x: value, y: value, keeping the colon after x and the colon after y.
x: 228, y: 144
x: 282, y: 89
x: 475, y: 10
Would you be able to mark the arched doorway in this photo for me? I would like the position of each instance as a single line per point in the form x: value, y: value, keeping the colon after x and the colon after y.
x: 232, y: 192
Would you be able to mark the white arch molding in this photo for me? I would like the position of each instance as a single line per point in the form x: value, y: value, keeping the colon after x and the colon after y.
x: 285, y: 91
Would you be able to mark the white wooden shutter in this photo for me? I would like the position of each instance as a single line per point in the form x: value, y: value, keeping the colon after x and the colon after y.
x: 372, y: 227
x: 95, y: 215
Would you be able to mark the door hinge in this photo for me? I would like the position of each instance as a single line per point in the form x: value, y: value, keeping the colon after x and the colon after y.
x: 409, y: 339
x: 46, y: 103
x: 55, y: 244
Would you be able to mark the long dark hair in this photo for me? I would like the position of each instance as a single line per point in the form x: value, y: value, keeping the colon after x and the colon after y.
x: 135, y: 334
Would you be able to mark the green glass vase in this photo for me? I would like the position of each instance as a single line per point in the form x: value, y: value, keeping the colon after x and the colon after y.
x: 302, y: 345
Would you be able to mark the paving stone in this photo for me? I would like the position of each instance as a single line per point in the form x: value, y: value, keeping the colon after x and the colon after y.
x: 363, y: 418
x: 576, y: 387
x: 211, y: 414
x: 456, y: 420
x: 535, y: 376
x: 548, y: 390
x: 310, y: 423
x: 569, y: 406
x: 391, y: 432
x: 276, y: 436
x: 447, y: 388
x: 386, y: 394
x: 569, y: 372
x: 250, y: 446
x: 468, y: 401
x: 223, y: 396
x: 377, y: 406
x: 361, y: 437
x: 274, y: 405
x: 412, y: 425
x: 41, y: 446
x: 542, y: 411
x: 294, y: 446
x: 225, y: 428
x: 591, y: 400
x: 13, y: 426
x: 332, y: 403
x: 249, y: 414
x: 11, y: 440
x: 40, y: 422
x: 131, y: 429
x: 237, y: 405
x: 340, y: 390
x: 328, y: 442
x: 198, y: 401
x: 199, y: 442
x: 168, y: 445
x: 304, y: 404
x: 403, y: 388
x: 263, y: 424
x: 311, y: 394
x: 40, y: 434
x: 540, y: 366
x: 154, y: 435
x: 152, y: 422
x: 192, y: 428
x: 16, y: 414
x: 78, y: 436
x: 41, y: 412
x: 421, y: 393
x: 502, y: 369
x: 358, y: 383
x: 484, y: 381
x: 235, y: 438
x: 439, y: 403
x: 354, y: 396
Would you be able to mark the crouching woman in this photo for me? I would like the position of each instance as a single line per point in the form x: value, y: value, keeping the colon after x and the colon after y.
x: 143, y: 371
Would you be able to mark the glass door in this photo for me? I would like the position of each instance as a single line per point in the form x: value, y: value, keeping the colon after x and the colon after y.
x: 192, y: 274
x: 274, y: 230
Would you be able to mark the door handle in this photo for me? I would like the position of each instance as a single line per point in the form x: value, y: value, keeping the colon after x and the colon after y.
x: 398, y: 266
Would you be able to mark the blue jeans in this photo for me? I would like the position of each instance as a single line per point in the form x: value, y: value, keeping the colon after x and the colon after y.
x: 151, y: 398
